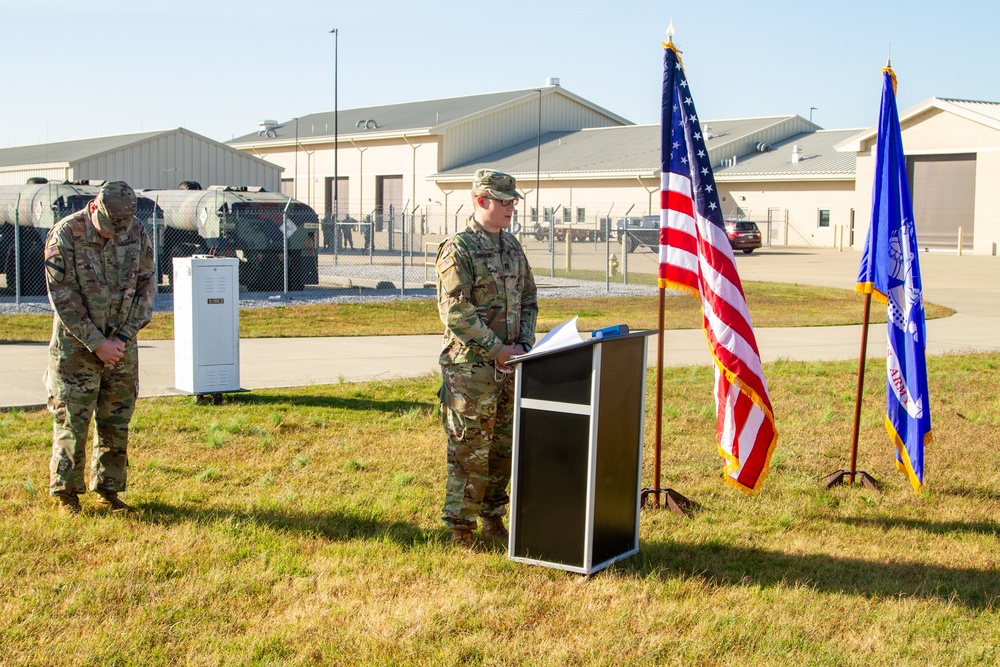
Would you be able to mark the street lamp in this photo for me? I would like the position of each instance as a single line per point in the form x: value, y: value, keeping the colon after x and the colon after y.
x: 538, y: 155
x: 295, y: 182
x: 336, y: 137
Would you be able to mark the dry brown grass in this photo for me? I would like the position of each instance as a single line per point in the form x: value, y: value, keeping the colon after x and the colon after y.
x: 302, y: 526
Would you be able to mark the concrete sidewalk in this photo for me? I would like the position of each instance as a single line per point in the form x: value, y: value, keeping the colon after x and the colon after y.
x: 969, y: 284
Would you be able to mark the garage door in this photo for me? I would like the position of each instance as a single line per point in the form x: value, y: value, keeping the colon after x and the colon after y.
x: 943, y: 188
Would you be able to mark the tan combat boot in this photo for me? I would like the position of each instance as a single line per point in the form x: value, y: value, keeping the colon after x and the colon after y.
x: 110, y: 500
x: 462, y: 537
x: 493, y: 529
x: 69, y: 503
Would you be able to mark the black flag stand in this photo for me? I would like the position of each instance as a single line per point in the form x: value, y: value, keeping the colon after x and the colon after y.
x: 847, y: 476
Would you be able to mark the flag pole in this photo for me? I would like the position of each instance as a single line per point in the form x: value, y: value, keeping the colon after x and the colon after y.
x: 848, y: 476
x: 840, y: 476
x: 677, y: 502
x: 674, y: 500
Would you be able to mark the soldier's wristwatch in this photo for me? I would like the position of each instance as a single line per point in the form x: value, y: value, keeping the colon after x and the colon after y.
x: 122, y: 338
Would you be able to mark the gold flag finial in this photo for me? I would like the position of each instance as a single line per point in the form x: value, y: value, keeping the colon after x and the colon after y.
x: 669, y: 44
x: 888, y: 70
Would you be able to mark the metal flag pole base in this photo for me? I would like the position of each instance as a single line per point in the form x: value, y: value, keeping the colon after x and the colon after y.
x: 847, y: 477
x: 674, y: 500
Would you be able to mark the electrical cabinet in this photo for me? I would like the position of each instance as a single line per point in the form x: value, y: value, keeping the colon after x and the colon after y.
x: 206, y: 324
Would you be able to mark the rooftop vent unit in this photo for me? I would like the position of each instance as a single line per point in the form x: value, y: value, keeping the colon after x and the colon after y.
x: 796, y: 153
x: 763, y: 147
x: 268, y: 128
x: 552, y: 81
x: 369, y: 124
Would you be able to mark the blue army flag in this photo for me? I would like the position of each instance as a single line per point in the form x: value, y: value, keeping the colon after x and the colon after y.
x: 890, y: 272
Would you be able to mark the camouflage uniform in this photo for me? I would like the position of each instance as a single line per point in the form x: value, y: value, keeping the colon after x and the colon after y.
x: 486, y: 299
x: 99, y: 288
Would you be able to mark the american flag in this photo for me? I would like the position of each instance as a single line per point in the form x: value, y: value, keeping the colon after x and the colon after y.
x: 696, y: 258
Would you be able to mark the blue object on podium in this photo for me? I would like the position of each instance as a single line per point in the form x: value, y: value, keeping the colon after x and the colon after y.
x: 577, y: 460
x: 607, y: 332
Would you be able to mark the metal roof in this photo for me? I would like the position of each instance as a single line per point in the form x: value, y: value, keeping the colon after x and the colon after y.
x: 407, y: 116
x: 634, y: 150
x: 67, y: 152
x: 629, y: 149
x: 819, y: 158
x: 989, y: 110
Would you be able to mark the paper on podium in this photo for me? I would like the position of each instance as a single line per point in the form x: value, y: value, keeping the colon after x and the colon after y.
x: 563, y: 335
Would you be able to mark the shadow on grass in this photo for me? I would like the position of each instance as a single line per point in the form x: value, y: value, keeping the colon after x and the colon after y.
x: 930, y: 527
x: 335, y: 525
x: 724, y: 565
x: 972, y: 492
x: 332, y: 402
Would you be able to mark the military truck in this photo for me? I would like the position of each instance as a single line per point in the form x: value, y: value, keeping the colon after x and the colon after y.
x: 33, y: 208
x: 577, y: 231
x: 241, y: 222
x: 639, y: 231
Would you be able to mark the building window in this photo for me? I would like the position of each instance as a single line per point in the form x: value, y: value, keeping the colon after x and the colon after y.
x: 548, y: 213
x: 824, y: 217
x: 581, y: 214
x: 534, y: 215
x: 567, y: 215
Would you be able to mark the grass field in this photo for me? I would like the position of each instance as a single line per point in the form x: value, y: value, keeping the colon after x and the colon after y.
x: 772, y: 305
x: 301, y: 527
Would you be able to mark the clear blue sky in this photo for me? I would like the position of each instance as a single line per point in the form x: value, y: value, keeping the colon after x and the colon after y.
x: 74, y: 69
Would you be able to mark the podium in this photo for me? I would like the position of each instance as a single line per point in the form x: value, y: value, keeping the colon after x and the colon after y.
x: 577, y: 460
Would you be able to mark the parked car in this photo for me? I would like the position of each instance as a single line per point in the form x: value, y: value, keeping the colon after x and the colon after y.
x: 644, y: 231
x: 743, y: 235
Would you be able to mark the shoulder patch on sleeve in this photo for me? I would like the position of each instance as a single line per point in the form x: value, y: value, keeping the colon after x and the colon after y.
x: 449, y: 275
x: 55, y: 265
x: 445, y: 264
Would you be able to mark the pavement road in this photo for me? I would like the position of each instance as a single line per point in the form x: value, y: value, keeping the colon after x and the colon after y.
x: 970, y: 284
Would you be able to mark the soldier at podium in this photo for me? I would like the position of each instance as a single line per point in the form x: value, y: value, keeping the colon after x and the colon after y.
x: 488, y: 303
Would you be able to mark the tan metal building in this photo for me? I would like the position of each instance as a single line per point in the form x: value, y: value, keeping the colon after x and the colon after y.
x: 387, y: 157
x: 158, y: 159
x: 953, y: 163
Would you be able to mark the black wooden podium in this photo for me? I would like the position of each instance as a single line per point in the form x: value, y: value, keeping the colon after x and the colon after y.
x: 577, y: 461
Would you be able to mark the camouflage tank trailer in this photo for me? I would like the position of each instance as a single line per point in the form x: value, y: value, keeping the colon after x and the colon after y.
x: 33, y: 208
x: 226, y: 221
x: 238, y: 222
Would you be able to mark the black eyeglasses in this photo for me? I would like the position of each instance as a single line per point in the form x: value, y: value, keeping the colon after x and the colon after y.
x: 505, y: 202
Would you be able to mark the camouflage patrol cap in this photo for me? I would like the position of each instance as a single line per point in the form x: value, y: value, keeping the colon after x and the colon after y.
x: 115, y: 207
x: 496, y: 184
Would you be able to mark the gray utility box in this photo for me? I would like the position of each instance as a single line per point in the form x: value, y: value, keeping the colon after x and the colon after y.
x: 577, y: 463
x: 206, y: 324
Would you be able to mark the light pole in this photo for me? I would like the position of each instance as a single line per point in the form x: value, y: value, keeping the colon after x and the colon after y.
x: 336, y: 138
x: 295, y: 182
x: 538, y: 156
x: 811, y: 109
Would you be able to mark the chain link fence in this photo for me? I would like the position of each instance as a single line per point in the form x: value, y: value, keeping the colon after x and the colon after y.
x: 284, y: 249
